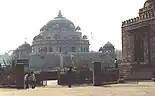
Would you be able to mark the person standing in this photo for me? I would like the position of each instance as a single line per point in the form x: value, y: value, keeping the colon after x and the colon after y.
x: 26, y: 80
x: 116, y: 63
x: 32, y: 80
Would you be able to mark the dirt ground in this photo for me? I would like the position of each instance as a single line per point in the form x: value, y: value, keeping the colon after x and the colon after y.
x: 130, y: 89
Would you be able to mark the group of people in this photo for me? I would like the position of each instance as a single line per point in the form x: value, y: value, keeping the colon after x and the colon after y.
x: 30, y: 80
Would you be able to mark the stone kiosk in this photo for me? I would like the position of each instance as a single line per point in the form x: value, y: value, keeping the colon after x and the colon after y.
x: 138, y: 43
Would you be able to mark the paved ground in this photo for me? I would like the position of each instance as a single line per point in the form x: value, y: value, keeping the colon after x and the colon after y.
x: 131, y: 89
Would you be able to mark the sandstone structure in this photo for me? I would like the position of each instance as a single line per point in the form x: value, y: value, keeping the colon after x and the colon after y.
x: 138, y: 41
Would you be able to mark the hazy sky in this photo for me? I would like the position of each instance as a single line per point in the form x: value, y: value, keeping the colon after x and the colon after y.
x: 20, y: 19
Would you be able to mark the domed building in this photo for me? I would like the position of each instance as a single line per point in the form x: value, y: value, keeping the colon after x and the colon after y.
x: 109, y: 53
x: 108, y: 47
x: 60, y: 44
x: 23, y: 51
x: 60, y: 35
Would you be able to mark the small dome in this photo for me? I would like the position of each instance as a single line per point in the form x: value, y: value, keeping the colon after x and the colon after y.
x: 59, y: 20
x: 71, y: 26
x: 108, y: 44
x: 38, y: 37
x: 24, y: 46
x: 85, y: 37
x: 148, y: 3
x: 77, y: 28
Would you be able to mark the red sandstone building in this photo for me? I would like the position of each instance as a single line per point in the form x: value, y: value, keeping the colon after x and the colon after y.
x: 138, y: 43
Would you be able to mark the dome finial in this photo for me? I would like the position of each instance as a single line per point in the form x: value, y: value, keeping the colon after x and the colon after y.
x: 25, y: 41
x: 59, y: 15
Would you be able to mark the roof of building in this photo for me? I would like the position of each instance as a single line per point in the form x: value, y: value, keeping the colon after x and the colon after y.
x: 24, y: 46
x: 108, y: 44
x: 38, y: 37
x: 58, y: 21
x: 148, y: 3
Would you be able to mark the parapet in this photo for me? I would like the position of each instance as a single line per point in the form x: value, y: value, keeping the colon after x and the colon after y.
x: 144, y: 14
x: 129, y: 21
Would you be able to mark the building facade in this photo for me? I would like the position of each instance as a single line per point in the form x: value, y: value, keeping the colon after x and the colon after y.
x: 60, y: 35
x: 138, y: 40
x: 60, y: 44
x: 23, y: 51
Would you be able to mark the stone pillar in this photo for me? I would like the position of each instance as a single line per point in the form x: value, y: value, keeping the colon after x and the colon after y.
x: 124, y: 48
x: 131, y: 57
x: 145, y: 48
x: 152, y: 47
x: 97, y: 81
x: 20, y: 76
x: 127, y: 46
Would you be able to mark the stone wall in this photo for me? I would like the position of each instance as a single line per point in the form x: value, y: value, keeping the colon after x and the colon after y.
x: 52, y: 60
x: 152, y: 43
x: 140, y: 74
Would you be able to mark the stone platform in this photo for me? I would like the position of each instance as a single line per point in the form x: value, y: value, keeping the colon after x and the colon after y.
x: 138, y: 72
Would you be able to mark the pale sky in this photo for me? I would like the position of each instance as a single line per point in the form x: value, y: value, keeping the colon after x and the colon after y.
x: 20, y: 19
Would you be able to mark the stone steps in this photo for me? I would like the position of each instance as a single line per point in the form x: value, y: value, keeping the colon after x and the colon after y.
x: 124, y: 70
x: 135, y: 71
